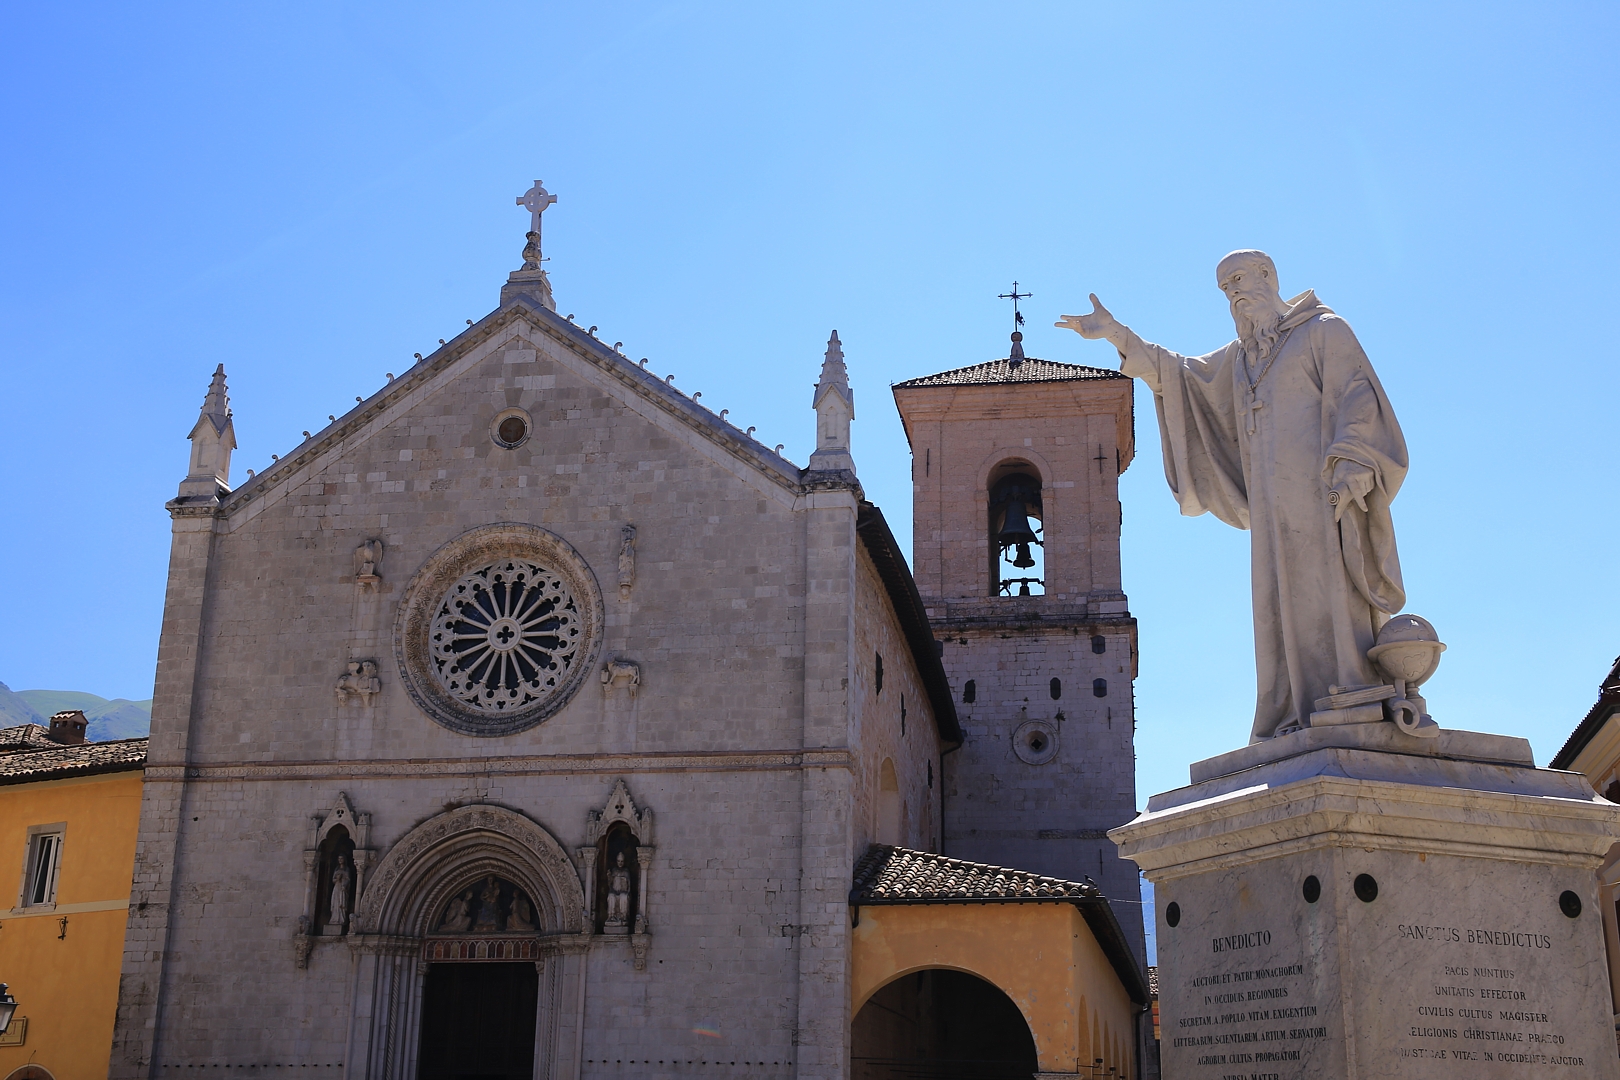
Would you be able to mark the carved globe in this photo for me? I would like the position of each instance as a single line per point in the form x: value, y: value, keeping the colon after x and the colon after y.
x: 1408, y: 650
x: 498, y: 630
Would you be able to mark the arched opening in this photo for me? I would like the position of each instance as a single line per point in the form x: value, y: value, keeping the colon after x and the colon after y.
x: 888, y: 807
x: 333, y: 905
x: 944, y: 1024
x: 618, y: 880
x: 469, y: 987
x: 1017, y: 530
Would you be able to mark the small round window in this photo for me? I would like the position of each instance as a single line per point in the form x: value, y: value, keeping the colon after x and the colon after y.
x: 511, y: 428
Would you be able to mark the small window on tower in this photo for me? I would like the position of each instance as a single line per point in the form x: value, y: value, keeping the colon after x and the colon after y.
x: 878, y: 678
x: 970, y: 692
x: 1055, y: 688
x: 1099, y: 644
x: 1099, y: 687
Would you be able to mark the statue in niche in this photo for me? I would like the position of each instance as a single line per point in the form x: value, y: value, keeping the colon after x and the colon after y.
x: 618, y: 880
x: 367, y: 559
x: 489, y: 905
x: 337, y: 920
x: 458, y: 913
x: 618, y: 898
x: 335, y: 883
x: 522, y: 915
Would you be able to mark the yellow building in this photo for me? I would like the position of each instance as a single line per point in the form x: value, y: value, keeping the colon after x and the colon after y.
x: 964, y: 969
x: 68, y: 817
x: 1593, y: 750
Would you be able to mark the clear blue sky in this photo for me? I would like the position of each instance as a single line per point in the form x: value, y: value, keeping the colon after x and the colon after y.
x: 311, y: 193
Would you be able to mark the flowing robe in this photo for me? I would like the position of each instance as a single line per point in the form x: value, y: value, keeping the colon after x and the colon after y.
x: 1321, y: 588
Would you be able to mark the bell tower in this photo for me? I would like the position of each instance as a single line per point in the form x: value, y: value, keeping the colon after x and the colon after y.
x: 1015, y: 540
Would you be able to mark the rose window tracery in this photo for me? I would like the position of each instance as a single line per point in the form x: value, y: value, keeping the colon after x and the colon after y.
x: 505, y: 637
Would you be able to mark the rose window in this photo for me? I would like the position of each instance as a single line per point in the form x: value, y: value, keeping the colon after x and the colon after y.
x: 505, y: 637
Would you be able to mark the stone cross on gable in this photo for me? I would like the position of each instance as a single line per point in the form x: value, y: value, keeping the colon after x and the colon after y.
x: 535, y: 201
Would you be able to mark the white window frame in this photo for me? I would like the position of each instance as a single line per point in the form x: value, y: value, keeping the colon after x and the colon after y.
x: 39, y: 836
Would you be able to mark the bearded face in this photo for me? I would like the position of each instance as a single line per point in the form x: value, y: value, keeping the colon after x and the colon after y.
x: 1252, y: 297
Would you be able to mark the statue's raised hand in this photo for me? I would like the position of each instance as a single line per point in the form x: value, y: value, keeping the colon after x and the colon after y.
x: 1099, y: 324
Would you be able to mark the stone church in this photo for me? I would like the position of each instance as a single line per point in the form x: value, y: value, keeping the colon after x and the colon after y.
x: 533, y: 720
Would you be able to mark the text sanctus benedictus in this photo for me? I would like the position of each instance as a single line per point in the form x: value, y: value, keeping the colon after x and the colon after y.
x: 1285, y: 432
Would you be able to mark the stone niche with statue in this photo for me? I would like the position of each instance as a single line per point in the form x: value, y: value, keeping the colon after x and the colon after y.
x: 1360, y: 892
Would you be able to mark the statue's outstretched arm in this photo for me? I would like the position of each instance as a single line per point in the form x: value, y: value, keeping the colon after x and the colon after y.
x: 1099, y: 324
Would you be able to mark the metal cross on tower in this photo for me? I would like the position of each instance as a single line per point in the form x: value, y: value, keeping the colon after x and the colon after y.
x: 1015, y: 296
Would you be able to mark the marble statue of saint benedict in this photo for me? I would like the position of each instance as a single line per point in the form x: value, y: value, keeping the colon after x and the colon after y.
x: 1285, y: 432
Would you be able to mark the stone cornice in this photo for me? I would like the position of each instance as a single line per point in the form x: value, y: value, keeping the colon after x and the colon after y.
x: 1260, y: 823
x: 528, y: 765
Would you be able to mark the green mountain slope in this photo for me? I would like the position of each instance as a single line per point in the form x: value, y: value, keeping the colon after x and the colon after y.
x: 119, y: 718
x: 15, y: 710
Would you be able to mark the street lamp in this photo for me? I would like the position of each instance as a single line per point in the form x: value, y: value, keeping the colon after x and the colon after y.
x: 8, y: 1006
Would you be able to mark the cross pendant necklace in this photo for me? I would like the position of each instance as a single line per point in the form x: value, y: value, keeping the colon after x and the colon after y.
x: 1255, y: 404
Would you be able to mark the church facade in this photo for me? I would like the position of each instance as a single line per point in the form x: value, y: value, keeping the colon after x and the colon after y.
x: 532, y: 720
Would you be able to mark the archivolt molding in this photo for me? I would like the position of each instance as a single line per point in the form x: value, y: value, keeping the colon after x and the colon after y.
x: 427, y: 591
x: 454, y: 849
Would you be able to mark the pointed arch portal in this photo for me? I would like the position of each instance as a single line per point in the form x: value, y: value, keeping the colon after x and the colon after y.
x: 471, y: 939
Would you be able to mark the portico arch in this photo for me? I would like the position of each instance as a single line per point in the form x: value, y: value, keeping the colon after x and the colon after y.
x: 395, y: 919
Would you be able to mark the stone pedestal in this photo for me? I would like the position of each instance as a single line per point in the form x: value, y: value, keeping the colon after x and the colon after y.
x: 1351, y: 902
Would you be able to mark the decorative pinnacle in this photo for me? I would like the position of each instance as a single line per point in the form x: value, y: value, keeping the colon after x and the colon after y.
x: 834, y: 374
x: 216, y: 405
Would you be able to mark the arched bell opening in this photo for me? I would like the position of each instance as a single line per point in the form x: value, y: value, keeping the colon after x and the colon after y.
x: 941, y: 1023
x: 1017, y: 530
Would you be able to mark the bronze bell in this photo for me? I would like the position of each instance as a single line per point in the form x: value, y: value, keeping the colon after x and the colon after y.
x: 1024, y: 561
x: 1015, y: 529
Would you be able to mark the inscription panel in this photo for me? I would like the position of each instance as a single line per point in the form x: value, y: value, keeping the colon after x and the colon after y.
x: 1455, y: 968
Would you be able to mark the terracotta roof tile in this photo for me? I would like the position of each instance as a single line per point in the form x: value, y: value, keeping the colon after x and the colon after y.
x: 85, y: 759
x: 1003, y: 371
x: 26, y: 737
x: 896, y: 875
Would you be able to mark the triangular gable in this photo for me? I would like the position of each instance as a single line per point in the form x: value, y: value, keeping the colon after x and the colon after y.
x: 466, y: 350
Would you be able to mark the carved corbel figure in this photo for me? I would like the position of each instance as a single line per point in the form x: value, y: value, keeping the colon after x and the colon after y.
x: 621, y: 675
x: 369, y: 685
x: 627, y: 561
x: 367, y: 565
x: 348, y: 684
x: 359, y: 684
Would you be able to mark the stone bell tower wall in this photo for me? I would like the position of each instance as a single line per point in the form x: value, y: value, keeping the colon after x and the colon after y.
x: 1043, y: 684
x: 1077, y: 434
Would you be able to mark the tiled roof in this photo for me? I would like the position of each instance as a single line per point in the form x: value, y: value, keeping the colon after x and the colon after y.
x: 85, y: 759
x: 1003, y: 371
x: 26, y: 737
x: 1607, y: 703
x: 895, y: 875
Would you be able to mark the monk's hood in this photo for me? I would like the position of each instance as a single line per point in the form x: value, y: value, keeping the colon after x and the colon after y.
x: 1301, y: 309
